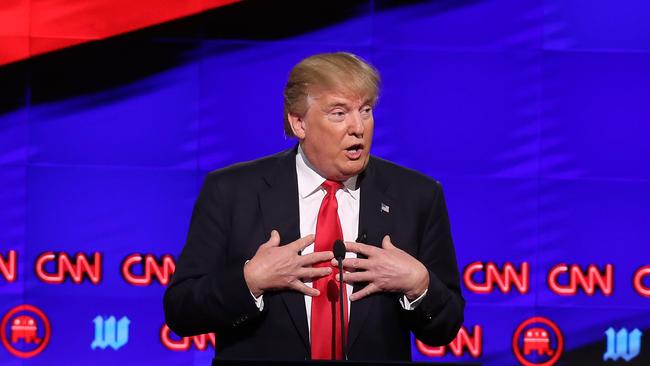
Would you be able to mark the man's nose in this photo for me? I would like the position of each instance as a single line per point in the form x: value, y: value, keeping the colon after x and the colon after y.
x: 355, y: 125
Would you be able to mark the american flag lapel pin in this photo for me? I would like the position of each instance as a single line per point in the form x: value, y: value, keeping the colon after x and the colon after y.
x: 385, y: 208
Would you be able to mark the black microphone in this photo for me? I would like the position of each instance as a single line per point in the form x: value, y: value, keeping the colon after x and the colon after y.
x: 339, y: 254
x: 339, y: 250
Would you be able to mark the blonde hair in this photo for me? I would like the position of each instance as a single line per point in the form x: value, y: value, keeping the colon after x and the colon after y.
x: 340, y: 71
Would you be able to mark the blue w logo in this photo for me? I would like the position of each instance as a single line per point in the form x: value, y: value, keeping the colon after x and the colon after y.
x: 110, y: 333
x: 622, y: 344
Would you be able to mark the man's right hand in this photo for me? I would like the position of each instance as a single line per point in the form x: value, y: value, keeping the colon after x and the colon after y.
x: 276, y: 267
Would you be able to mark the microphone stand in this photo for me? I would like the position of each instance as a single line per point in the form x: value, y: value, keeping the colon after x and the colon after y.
x: 339, y: 254
x: 341, y: 299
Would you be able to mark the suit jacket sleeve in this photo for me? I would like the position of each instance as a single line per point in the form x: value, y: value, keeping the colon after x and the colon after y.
x: 437, y: 319
x: 207, y: 292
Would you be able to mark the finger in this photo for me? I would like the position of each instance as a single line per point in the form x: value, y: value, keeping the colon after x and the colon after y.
x: 352, y: 277
x: 310, y: 273
x: 360, y: 248
x: 334, y: 262
x: 317, y: 257
x: 356, y: 263
x: 386, y: 243
x: 274, y: 240
x: 368, y: 290
x: 301, y: 287
x: 302, y: 243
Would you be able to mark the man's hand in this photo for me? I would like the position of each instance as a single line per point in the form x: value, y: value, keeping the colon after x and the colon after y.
x: 387, y: 269
x: 276, y: 267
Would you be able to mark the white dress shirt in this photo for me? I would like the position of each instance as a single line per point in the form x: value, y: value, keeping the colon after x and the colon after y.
x: 310, y: 197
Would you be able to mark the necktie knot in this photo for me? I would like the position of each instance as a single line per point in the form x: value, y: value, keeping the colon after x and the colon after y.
x: 331, y: 186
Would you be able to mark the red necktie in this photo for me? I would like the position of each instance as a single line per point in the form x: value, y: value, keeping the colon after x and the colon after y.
x: 325, y: 308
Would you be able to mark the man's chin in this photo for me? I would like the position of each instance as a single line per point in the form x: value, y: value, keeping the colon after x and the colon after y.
x: 355, y: 167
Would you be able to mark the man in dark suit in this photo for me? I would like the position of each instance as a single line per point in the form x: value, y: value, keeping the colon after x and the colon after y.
x: 253, y: 272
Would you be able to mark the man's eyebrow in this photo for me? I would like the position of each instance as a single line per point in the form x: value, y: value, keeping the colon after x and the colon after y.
x: 338, y: 104
x: 367, y: 102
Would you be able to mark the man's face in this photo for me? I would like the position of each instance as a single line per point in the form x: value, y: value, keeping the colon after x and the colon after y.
x: 336, y: 133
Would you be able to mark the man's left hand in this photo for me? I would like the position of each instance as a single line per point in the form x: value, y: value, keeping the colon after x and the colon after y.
x: 386, y: 269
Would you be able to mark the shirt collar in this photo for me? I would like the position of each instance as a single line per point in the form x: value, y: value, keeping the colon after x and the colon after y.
x: 309, y: 180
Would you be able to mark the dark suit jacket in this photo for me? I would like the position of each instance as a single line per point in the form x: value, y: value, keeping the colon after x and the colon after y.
x: 236, y: 210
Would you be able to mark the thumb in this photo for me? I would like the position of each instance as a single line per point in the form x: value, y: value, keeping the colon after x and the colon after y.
x: 386, y: 243
x: 274, y: 240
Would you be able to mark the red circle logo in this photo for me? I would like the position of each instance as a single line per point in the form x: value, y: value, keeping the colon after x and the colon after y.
x: 25, y: 331
x: 535, y: 338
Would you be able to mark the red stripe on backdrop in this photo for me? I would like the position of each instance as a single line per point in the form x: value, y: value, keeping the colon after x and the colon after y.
x: 33, y: 27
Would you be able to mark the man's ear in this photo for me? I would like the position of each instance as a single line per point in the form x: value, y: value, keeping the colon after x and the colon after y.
x: 297, y: 124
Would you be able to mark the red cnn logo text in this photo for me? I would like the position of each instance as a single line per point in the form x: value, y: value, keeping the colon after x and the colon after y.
x: 200, y: 342
x: 639, y: 276
x: 76, y: 267
x: 8, y: 266
x: 464, y: 342
x: 589, y: 281
x: 505, y: 279
x: 150, y: 269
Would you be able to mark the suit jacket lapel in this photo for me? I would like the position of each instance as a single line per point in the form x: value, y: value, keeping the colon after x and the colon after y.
x: 279, y: 208
x: 373, y: 225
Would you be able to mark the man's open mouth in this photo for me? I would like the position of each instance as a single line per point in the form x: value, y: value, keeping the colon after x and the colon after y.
x: 354, y: 152
x: 355, y: 148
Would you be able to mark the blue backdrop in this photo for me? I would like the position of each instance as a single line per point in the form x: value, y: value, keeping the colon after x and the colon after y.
x: 534, y: 115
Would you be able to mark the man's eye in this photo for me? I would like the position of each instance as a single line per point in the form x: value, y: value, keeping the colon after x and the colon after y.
x: 366, y: 111
x: 336, y: 116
